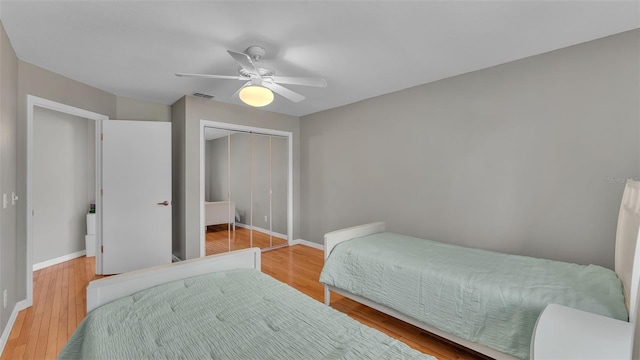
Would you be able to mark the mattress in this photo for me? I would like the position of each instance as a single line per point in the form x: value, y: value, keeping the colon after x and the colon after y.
x: 482, y: 296
x: 239, y: 314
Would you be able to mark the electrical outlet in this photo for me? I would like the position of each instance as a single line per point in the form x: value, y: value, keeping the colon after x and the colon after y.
x: 14, y: 198
x: 4, y: 299
x: 265, y: 218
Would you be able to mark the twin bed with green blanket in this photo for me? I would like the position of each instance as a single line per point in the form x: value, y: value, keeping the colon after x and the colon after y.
x: 485, y: 297
x: 484, y: 300
x: 218, y: 307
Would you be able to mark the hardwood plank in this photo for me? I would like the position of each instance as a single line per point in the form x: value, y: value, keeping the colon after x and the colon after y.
x: 79, y: 292
x: 63, y: 317
x: 12, y: 342
x: 41, y: 331
x: 71, y: 300
x: 23, y: 332
x: 47, y: 312
x: 52, y: 338
x: 38, y: 308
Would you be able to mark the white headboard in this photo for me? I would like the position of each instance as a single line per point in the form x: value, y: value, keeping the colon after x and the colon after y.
x: 627, y: 254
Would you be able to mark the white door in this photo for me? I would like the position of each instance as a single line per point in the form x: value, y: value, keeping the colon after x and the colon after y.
x: 136, y: 199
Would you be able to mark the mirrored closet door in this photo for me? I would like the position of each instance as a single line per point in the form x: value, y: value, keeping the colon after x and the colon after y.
x: 245, y: 190
x: 219, y: 210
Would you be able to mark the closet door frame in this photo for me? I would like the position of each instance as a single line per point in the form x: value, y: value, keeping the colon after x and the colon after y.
x: 248, y: 129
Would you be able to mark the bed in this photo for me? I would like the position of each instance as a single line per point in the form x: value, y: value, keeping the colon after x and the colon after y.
x: 220, y: 212
x: 218, y: 307
x: 486, y: 301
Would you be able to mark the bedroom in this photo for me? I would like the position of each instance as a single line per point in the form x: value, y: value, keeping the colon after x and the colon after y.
x: 530, y: 137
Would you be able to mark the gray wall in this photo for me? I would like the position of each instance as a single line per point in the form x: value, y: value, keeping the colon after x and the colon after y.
x: 242, y: 170
x: 63, y: 182
x: 134, y: 109
x: 188, y: 166
x: 11, y: 264
x: 527, y: 157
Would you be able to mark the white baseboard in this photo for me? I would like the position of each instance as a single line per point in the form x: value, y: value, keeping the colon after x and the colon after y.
x: 265, y: 231
x: 20, y: 305
x: 58, y: 260
x: 307, y: 243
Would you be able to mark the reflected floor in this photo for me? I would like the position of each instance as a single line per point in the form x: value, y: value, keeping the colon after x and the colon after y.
x: 217, y: 239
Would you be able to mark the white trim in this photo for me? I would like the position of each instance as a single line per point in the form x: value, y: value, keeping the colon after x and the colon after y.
x: 250, y: 129
x: 264, y: 231
x: 58, y: 260
x: 20, y: 305
x: 33, y: 101
x: 307, y: 243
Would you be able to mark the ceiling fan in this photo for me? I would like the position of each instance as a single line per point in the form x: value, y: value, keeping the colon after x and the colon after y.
x: 261, y: 82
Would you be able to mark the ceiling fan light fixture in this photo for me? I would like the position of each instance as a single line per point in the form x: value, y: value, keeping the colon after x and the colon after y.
x: 256, y: 95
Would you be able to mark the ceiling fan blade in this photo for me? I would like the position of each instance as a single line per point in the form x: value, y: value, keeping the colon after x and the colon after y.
x: 304, y: 81
x: 224, y: 77
x: 236, y: 95
x: 244, y: 60
x: 283, y: 91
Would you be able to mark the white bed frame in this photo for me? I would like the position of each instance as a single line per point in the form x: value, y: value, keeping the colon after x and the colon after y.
x: 220, y: 212
x: 100, y: 292
x: 625, y: 257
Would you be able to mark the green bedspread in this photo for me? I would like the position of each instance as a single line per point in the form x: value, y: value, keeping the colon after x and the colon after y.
x: 239, y: 314
x: 486, y: 297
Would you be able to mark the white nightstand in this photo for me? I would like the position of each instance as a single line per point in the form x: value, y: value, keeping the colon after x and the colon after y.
x: 90, y: 238
x: 565, y: 333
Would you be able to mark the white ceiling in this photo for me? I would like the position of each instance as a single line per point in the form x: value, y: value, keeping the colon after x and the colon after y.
x: 362, y: 48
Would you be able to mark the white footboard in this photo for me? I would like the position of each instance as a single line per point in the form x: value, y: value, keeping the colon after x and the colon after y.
x: 334, y: 238
x: 105, y: 290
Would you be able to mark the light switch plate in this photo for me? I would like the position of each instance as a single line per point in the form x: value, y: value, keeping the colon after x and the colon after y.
x: 5, y: 201
x: 14, y: 198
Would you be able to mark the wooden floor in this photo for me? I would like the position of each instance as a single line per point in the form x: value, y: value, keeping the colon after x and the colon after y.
x: 218, y: 241
x: 60, y: 302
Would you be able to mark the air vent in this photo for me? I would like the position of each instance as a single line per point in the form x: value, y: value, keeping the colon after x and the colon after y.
x: 203, y: 96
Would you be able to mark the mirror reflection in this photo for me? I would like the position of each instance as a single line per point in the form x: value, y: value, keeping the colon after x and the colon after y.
x: 245, y: 190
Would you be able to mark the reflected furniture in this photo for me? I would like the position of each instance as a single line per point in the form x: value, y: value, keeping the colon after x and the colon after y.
x: 220, y: 212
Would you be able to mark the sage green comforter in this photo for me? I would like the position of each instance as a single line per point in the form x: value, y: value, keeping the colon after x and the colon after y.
x: 239, y: 314
x: 482, y: 296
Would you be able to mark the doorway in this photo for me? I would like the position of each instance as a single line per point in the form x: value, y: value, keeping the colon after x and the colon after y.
x: 246, y: 192
x: 64, y: 186
x: 35, y: 104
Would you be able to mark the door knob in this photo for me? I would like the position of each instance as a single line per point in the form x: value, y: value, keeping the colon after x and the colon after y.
x: 164, y: 203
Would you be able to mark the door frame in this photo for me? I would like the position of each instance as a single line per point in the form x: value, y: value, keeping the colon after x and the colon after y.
x: 32, y: 103
x: 247, y: 129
